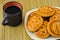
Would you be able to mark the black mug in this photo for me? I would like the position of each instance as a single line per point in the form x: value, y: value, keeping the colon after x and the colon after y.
x: 12, y: 13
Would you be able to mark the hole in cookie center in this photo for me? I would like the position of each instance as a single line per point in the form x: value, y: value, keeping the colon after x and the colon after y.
x: 41, y: 27
x: 43, y: 31
x: 54, y: 17
x: 36, y: 21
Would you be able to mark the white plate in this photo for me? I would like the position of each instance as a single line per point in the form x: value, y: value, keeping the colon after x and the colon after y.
x: 32, y: 35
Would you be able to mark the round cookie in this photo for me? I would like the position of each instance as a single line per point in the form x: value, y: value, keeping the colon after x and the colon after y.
x: 57, y: 16
x: 54, y: 28
x: 34, y: 23
x: 42, y: 32
x: 56, y: 11
x: 46, y: 11
x: 31, y: 15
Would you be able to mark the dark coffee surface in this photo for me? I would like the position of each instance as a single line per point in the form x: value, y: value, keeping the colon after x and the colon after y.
x: 12, y: 10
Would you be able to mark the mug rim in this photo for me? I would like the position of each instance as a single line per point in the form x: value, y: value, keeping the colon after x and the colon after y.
x: 12, y: 3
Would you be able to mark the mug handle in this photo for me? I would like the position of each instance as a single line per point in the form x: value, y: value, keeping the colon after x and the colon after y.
x: 5, y: 20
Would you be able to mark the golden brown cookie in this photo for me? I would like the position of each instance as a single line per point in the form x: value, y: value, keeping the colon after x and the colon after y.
x: 34, y: 22
x: 54, y: 28
x: 56, y: 10
x: 31, y: 15
x: 42, y: 32
x: 44, y: 18
x: 46, y: 11
x: 57, y: 16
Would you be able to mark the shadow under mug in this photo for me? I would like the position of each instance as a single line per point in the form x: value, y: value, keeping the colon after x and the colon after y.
x: 12, y: 19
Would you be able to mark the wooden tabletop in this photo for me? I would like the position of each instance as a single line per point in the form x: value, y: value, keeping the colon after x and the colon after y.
x: 19, y: 33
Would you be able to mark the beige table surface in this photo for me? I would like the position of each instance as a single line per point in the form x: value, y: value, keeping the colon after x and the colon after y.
x: 19, y: 33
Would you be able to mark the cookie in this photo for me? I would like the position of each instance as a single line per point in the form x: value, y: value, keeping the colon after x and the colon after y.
x: 46, y: 11
x: 42, y: 32
x: 31, y: 15
x: 56, y: 11
x: 54, y: 28
x: 34, y: 22
x: 57, y: 16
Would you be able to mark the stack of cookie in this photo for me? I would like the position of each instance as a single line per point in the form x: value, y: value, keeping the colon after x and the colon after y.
x: 44, y: 22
